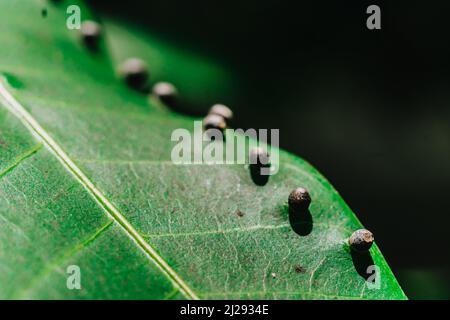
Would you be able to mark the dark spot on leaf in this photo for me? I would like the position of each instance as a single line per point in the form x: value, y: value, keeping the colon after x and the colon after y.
x: 44, y: 13
x: 299, y: 269
x: 239, y: 213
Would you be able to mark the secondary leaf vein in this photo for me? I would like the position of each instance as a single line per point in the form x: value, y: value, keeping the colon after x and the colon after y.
x: 38, y: 131
x: 21, y: 158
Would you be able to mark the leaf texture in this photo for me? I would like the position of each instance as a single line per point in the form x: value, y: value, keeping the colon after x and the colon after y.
x: 86, y: 179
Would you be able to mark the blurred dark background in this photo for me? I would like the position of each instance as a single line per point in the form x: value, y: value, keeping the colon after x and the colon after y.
x: 369, y: 109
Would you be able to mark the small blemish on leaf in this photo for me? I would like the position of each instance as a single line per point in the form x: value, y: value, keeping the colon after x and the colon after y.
x: 299, y: 269
x: 239, y: 213
x: 44, y: 13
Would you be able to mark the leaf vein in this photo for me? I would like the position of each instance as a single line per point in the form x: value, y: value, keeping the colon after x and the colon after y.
x: 35, y: 128
x: 63, y: 257
x: 21, y: 158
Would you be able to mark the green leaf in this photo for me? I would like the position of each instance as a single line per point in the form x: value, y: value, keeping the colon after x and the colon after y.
x: 86, y: 179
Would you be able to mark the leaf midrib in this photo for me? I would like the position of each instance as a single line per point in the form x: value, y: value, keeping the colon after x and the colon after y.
x: 39, y: 132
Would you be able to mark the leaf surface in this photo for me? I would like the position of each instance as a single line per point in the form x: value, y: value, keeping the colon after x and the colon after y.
x: 86, y: 179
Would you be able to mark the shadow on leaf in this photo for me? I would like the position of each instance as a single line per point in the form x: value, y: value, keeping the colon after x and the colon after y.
x: 362, y: 261
x: 301, y: 222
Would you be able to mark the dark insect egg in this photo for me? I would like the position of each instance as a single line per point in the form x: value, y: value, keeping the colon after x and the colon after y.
x: 361, y: 240
x: 259, y: 165
x: 222, y: 110
x: 259, y: 157
x: 135, y: 73
x: 166, y: 92
x: 91, y: 32
x: 214, y: 121
x: 299, y: 199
